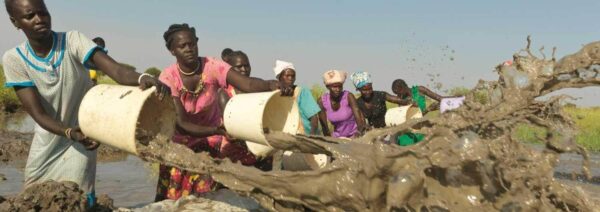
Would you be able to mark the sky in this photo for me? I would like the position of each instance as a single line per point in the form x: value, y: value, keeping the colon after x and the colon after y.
x: 425, y: 42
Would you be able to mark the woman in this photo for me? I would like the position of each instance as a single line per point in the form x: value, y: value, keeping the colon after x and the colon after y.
x: 416, y: 93
x: 194, y: 82
x: 340, y: 108
x: 309, y: 109
x: 373, y: 103
x: 49, y: 75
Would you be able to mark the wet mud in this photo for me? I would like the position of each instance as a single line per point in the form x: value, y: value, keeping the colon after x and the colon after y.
x: 468, y: 161
x: 53, y: 196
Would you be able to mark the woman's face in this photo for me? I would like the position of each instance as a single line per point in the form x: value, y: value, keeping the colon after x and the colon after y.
x: 241, y: 64
x: 185, y: 47
x: 366, y: 91
x: 288, y: 76
x: 335, y: 89
x: 32, y: 17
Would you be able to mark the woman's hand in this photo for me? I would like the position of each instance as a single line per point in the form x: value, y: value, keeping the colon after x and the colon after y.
x: 147, y: 81
x: 223, y: 132
x: 286, y: 90
x: 77, y: 135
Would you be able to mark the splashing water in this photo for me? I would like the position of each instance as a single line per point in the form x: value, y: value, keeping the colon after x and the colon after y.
x: 468, y: 161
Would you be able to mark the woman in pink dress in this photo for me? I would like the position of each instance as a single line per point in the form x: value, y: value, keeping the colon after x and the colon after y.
x: 194, y: 82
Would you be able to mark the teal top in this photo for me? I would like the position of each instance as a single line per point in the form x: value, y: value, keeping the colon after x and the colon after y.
x: 308, y: 108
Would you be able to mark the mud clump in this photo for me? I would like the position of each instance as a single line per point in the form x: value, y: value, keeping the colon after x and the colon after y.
x: 53, y: 196
x: 14, y: 146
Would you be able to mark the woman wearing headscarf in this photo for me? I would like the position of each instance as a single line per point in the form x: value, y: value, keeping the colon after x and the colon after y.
x: 372, y: 103
x: 339, y: 107
x: 309, y: 109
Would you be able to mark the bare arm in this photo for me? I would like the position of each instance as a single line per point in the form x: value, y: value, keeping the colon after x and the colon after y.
x: 193, y: 129
x: 250, y: 84
x: 397, y: 99
x: 114, y: 70
x: 223, y: 99
x: 31, y: 104
x: 314, y: 124
x: 323, y: 119
x: 430, y: 93
x: 360, y: 119
x: 126, y: 76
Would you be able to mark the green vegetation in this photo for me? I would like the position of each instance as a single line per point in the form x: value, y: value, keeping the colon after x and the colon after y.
x: 8, y: 98
x: 586, y: 120
x: 153, y: 71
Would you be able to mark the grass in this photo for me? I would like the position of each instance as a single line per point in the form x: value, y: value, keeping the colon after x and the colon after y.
x: 586, y: 119
x: 8, y: 98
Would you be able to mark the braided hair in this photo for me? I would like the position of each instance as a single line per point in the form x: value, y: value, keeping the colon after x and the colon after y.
x: 229, y: 54
x: 174, y: 28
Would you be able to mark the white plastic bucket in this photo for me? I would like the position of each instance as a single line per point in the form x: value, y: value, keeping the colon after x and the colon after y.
x: 111, y: 114
x: 399, y: 115
x: 451, y: 103
x: 247, y: 116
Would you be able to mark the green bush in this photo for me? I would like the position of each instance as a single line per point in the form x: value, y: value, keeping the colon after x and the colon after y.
x: 8, y: 97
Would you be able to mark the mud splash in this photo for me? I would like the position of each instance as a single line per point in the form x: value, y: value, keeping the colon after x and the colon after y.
x: 468, y: 160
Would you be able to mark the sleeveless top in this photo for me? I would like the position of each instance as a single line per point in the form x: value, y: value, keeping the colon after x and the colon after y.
x: 375, y: 115
x: 342, y: 119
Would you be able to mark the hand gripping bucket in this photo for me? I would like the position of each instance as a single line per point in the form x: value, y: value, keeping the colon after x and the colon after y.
x: 399, y: 115
x: 248, y: 116
x: 115, y: 115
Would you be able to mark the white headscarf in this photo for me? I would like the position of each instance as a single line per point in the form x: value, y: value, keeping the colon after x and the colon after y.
x: 281, y: 65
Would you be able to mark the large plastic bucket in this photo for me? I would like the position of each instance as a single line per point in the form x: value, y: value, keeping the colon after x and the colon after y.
x: 249, y: 116
x: 399, y: 115
x: 119, y: 116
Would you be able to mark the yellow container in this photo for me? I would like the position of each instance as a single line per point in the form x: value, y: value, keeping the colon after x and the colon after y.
x: 119, y: 116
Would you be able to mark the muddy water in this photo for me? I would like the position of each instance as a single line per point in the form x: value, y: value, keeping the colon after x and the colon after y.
x: 17, y: 122
x: 130, y: 182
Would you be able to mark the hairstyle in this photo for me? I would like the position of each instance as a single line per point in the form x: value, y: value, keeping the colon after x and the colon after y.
x: 229, y: 54
x: 399, y: 83
x: 174, y: 28
x: 10, y: 6
x: 98, y: 39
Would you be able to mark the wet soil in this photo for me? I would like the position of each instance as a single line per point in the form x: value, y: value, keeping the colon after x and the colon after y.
x: 53, y: 196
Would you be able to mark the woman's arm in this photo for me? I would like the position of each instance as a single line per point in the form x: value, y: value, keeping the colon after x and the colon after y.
x: 31, y: 104
x: 193, y: 129
x: 323, y: 118
x: 126, y: 76
x: 360, y: 119
x: 252, y: 84
x: 314, y: 124
x: 397, y: 100
x: 430, y: 93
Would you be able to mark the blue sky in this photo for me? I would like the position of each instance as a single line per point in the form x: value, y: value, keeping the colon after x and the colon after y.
x: 454, y: 42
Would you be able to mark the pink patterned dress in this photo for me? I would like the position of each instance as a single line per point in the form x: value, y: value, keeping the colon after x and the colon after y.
x: 203, y: 110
